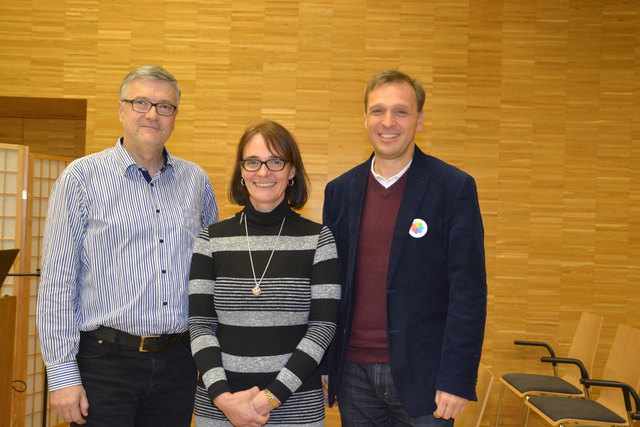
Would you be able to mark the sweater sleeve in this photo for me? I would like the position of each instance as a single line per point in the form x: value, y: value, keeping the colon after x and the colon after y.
x: 323, y: 316
x: 203, y: 320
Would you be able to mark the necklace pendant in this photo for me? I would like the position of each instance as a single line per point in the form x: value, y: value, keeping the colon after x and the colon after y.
x: 256, y: 289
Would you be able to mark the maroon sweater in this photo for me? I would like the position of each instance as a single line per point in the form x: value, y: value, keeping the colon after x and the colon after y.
x: 368, y: 337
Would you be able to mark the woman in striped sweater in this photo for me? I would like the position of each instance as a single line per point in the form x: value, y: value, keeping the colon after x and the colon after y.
x: 263, y: 293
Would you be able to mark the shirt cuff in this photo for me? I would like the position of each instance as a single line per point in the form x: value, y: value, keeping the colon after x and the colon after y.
x: 63, y: 375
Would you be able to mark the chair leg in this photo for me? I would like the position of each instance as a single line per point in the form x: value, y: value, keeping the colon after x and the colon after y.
x: 499, y: 404
x: 526, y: 415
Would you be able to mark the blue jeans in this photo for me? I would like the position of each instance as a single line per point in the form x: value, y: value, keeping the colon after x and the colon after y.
x: 127, y: 388
x: 367, y: 397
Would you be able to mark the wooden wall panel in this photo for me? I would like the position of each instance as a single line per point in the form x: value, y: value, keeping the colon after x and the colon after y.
x: 45, y: 135
x: 55, y: 136
x: 54, y: 126
x: 7, y: 337
x: 540, y: 101
x: 11, y: 130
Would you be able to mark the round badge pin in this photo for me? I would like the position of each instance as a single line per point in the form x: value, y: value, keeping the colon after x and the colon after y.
x: 418, y: 228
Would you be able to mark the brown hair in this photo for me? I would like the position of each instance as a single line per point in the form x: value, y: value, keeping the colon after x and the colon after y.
x: 281, y: 143
x: 394, y: 76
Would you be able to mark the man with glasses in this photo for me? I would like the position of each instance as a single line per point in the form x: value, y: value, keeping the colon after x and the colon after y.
x: 411, y: 249
x: 112, y: 303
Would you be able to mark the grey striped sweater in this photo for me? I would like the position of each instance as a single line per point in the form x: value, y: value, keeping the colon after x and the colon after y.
x: 274, y: 340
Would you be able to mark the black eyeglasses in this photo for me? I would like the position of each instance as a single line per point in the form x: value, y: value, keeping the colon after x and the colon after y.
x: 254, y: 165
x: 143, y: 106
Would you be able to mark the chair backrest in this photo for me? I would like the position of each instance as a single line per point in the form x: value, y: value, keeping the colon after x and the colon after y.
x: 583, y: 346
x: 472, y: 414
x: 622, y: 365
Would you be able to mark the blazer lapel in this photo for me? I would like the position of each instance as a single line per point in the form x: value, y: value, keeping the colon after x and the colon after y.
x: 414, y: 193
x: 357, y: 188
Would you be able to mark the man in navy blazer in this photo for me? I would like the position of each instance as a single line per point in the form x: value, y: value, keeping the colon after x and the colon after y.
x: 411, y: 248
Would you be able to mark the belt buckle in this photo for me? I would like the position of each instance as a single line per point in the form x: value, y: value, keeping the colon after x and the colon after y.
x: 142, y: 340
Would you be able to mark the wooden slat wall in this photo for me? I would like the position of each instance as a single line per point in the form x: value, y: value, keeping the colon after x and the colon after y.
x: 45, y: 136
x: 53, y: 126
x: 540, y: 101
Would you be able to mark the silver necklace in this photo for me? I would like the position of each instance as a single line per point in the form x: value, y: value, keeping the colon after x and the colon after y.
x: 256, y: 289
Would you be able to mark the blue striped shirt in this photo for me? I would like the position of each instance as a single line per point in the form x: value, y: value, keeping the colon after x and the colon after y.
x: 117, y: 251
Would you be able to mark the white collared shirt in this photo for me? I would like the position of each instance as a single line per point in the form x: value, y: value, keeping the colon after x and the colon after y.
x: 388, y: 182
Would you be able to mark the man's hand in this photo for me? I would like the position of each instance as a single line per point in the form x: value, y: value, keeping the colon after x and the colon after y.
x: 239, y: 410
x: 448, y: 405
x: 71, y: 404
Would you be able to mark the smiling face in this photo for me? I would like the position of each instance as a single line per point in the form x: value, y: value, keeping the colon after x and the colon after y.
x: 143, y: 131
x: 392, y: 120
x: 266, y: 188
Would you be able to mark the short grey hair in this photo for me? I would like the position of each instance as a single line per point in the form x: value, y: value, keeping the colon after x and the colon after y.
x: 150, y: 72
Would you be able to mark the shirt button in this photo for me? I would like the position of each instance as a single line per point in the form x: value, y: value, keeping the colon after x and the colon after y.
x: 157, y: 210
x: 164, y: 271
x: 161, y: 240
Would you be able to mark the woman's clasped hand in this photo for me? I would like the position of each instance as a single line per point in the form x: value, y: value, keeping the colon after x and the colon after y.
x: 239, y: 408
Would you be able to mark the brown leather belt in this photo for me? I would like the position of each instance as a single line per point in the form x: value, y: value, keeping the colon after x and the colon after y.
x: 150, y: 343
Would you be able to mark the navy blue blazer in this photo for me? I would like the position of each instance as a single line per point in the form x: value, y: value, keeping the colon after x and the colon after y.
x: 436, y: 284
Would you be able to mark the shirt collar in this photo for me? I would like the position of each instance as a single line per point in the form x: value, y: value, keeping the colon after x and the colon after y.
x: 388, y: 182
x: 125, y: 161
